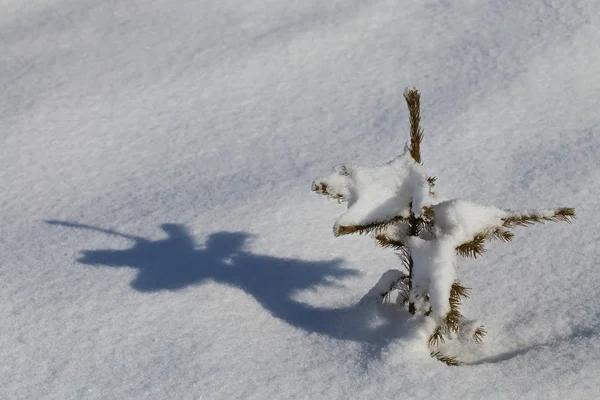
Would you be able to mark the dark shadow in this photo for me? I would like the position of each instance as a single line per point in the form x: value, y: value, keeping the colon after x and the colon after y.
x: 176, y: 262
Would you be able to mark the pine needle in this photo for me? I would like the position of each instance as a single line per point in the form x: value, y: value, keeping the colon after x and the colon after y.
x: 458, y: 290
x: 432, y: 180
x: 407, y: 262
x: 402, y: 250
x: 321, y: 188
x: 454, y: 318
x: 559, y: 215
x: 501, y: 234
x: 479, y: 334
x: 368, y: 228
x: 388, y: 243
x: 474, y: 248
x: 437, y: 337
x: 448, y: 360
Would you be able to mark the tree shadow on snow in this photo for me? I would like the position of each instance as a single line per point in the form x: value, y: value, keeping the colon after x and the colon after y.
x: 578, y: 334
x: 176, y: 262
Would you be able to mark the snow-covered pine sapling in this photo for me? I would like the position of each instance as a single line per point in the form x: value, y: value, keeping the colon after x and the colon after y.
x: 396, y: 204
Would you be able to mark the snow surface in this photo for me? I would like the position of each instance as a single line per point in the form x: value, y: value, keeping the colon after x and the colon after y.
x: 159, y: 238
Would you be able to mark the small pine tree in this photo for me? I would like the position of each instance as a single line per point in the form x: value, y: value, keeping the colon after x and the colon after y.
x: 395, y: 204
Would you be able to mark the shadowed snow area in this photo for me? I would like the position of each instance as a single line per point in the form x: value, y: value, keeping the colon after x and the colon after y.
x: 215, y: 116
x: 175, y: 262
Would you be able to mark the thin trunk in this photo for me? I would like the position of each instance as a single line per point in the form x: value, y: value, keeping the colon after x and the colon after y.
x: 413, y: 230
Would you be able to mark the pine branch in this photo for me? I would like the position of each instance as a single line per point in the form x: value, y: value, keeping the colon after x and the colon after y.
x: 557, y: 215
x: 501, y: 234
x: 413, y: 100
x: 453, y: 323
x: 437, y: 337
x: 479, y: 334
x: 321, y: 188
x: 454, y: 318
x: 448, y: 360
x: 398, y: 284
x: 474, y: 248
x: 388, y: 243
x: 458, y: 291
x: 402, y: 251
x: 368, y: 228
x: 406, y: 259
x: 403, y: 284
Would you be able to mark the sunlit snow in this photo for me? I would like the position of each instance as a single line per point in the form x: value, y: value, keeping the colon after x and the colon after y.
x: 159, y: 239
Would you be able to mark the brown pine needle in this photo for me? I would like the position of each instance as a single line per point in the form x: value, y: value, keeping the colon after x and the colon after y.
x: 501, y: 234
x: 474, y: 248
x: 413, y: 100
x: 437, y: 337
x: 448, y: 360
x: 368, y: 228
x: 388, y: 243
x: 479, y: 334
x: 559, y: 215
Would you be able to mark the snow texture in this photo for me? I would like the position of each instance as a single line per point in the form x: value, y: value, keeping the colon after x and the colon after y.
x: 456, y: 222
x: 460, y: 220
x: 434, y: 271
x: 171, y: 143
x: 377, y: 194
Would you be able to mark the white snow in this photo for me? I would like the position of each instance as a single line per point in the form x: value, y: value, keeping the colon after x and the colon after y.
x: 461, y: 220
x: 434, y: 271
x: 172, y: 143
x: 456, y: 222
x: 377, y: 194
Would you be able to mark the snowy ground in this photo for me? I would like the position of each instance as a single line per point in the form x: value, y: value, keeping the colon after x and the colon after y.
x: 158, y: 236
